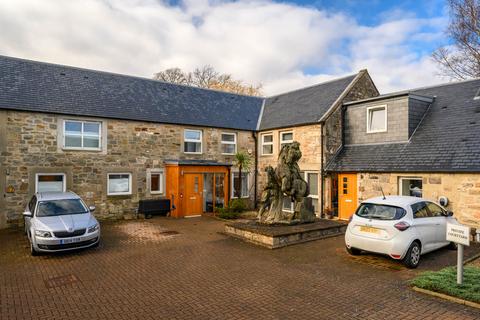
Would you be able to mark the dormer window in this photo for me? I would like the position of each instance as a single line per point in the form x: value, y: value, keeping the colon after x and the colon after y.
x: 377, y: 119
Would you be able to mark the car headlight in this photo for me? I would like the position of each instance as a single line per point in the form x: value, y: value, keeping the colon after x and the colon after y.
x: 43, y: 234
x: 93, y: 228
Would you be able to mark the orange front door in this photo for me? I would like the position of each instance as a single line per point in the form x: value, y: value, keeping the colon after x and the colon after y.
x: 347, y: 195
x: 193, y: 200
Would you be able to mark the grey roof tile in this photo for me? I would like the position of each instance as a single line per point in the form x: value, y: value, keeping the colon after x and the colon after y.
x: 447, y: 140
x: 34, y: 86
x: 302, y: 106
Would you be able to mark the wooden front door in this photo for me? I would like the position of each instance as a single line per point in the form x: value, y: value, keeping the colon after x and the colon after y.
x: 347, y: 195
x: 193, y: 200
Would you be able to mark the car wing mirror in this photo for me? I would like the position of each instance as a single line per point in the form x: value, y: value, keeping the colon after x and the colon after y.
x: 27, y: 214
x: 92, y: 208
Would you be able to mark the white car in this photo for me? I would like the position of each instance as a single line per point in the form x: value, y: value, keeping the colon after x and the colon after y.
x: 60, y: 221
x: 402, y: 227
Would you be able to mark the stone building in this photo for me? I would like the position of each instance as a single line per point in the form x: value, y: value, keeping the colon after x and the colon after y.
x: 421, y: 142
x: 116, y: 140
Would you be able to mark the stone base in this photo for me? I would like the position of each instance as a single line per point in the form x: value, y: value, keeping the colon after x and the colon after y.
x: 278, y: 236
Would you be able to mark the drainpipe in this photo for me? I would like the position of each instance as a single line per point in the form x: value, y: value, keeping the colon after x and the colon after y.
x: 254, y: 134
x: 322, y: 178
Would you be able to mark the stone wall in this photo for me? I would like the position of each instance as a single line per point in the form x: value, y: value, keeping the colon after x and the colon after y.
x: 32, y: 146
x: 309, y: 139
x: 462, y: 190
x: 397, y: 122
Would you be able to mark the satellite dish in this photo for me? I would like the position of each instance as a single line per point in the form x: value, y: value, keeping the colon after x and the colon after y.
x: 443, y: 201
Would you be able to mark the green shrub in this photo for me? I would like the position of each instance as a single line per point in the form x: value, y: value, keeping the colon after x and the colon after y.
x: 237, y: 205
x: 226, y: 213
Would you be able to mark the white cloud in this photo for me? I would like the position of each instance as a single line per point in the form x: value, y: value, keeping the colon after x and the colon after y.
x: 258, y: 41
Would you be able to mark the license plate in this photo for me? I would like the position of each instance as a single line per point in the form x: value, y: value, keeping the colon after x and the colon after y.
x: 369, y: 229
x: 71, y: 240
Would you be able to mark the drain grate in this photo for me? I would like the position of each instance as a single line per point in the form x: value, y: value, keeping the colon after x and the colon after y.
x: 169, y: 232
x: 60, y: 281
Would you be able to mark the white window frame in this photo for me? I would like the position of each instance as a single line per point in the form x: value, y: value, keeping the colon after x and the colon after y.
x: 51, y: 174
x: 400, y: 183
x: 263, y: 135
x: 373, y: 108
x: 233, y: 196
x: 306, y: 173
x: 282, y: 142
x: 291, y: 206
x: 193, y: 140
x: 82, y: 135
x: 161, y: 182
x: 129, y: 192
x: 229, y: 142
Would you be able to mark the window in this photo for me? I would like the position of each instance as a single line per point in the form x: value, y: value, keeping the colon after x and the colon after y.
x: 156, y: 182
x: 312, y: 180
x: 46, y: 182
x: 267, y: 144
x: 410, y: 187
x: 192, y: 141
x: 236, y: 185
x: 82, y: 135
x: 285, y: 138
x: 420, y: 210
x: 287, y: 204
x: 380, y: 212
x: 434, y: 210
x: 377, y: 119
x: 32, y: 204
x: 229, y: 143
x: 119, y: 184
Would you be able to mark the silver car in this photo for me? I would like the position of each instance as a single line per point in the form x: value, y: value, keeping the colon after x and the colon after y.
x: 60, y: 221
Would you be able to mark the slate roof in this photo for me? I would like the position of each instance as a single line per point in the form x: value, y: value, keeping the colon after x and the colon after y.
x: 447, y: 140
x: 303, y: 106
x: 42, y: 87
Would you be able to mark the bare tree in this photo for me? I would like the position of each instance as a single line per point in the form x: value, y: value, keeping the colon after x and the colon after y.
x: 208, y: 77
x: 461, y: 60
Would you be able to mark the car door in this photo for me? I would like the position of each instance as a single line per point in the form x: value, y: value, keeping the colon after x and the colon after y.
x: 440, y: 217
x: 425, y: 226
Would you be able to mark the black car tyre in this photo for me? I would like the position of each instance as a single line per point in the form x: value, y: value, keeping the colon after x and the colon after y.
x: 353, y: 251
x: 452, y: 246
x: 412, y: 258
x: 33, y: 252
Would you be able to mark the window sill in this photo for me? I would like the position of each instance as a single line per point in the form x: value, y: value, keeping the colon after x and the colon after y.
x: 157, y: 193
x: 118, y: 194
x: 377, y: 131
x: 266, y: 155
x: 193, y: 152
x: 228, y: 154
x: 244, y: 197
x: 82, y: 149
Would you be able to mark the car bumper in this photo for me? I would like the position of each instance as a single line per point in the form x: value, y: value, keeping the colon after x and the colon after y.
x: 65, y: 244
x: 395, y: 247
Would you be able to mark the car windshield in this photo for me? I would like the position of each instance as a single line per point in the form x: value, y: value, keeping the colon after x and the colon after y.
x: 380, y: 211
x: 60, y: 207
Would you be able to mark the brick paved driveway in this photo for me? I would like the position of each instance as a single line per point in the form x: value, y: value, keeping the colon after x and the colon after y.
x: 145, y: 270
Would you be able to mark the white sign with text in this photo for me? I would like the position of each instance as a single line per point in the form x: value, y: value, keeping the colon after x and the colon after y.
x: 458, y: 234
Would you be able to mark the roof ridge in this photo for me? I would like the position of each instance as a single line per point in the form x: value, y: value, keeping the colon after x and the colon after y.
x: 126, y: 76
x: 312, y: 86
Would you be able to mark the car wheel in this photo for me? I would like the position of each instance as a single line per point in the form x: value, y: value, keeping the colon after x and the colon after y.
x: 353, y: 251
x: 452, y: 246
x: 33, y: 252
x: 412, y: 258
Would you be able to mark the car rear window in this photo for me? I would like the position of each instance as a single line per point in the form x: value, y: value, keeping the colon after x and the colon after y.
x: 60, y: 207
x: 380, y: 211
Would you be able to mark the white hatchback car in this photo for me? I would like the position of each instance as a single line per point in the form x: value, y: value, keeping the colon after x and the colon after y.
x: 402, y: 227
x: 60, y: 221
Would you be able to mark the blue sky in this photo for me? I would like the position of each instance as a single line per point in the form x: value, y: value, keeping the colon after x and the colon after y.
x: 284, y: 45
